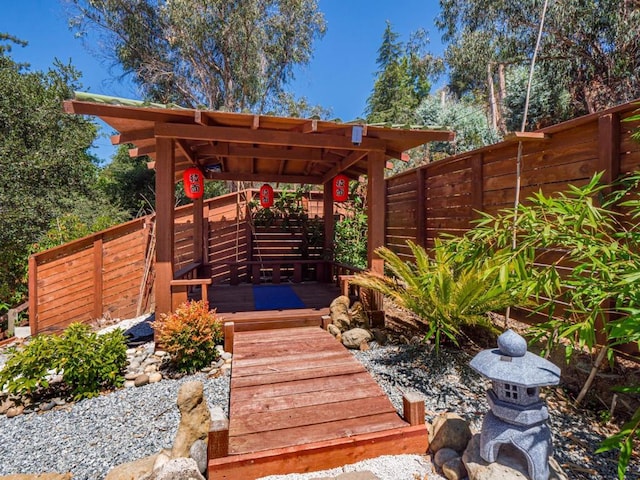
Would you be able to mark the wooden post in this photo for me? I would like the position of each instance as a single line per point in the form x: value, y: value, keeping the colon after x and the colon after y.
x: 326, y: 321
x: 477, y: 186
x: 205, y: 239
x: 218, y: 445
x: 229, y: 328
x: 165, y: 203
x: 97, y: 277
x: 375, y: 209
x: 329, y: 226
x: 33, y: 295
x: 413, y: 408
x: 198, y: 243
x: 421, y: 210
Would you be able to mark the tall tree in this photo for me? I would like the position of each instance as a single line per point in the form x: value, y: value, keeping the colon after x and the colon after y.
x: 402, y: 78
x: 45, y: 168
x: 220, y: 54
x: 589, y: 49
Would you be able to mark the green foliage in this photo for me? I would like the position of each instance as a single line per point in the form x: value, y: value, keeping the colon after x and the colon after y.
x: 45, y: 170
x: 590, y: 51
x: 220, y: 54
x: 624, y: 440
x: 442, y: 291
x: 88, y: 362
x: 190, y: 335
x: 466, y: 118
x: 403, y: 78
x: 351, y: 233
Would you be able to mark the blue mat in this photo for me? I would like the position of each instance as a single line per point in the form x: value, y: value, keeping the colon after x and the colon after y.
x: 275, y: 297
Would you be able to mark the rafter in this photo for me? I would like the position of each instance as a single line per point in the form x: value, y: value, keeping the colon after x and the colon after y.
x: 264, y: 177
x: 132, y: 136
x: 348, y: 161
x: 182, y: 145
x: 225, y: 149
x: 264, y: 137
x: 140, y: 151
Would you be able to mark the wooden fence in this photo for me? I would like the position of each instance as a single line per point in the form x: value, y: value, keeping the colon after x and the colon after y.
x: 445, y: 196
x: 111, y: 273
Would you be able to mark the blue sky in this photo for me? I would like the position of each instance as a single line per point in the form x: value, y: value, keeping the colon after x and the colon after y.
x: 340, y: 75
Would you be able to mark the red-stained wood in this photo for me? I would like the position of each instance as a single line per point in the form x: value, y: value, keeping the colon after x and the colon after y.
x: 165, y: 163
x: 375, y: 209
x: 287, y: 404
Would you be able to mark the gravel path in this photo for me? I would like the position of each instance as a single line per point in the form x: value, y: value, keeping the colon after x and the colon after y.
x: 91, y: 436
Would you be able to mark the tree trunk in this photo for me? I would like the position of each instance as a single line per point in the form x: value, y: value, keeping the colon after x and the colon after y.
x: 492, y: 98
x: 502, y: 94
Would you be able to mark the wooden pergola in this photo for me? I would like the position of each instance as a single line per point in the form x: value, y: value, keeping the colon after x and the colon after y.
x: 256, y: 148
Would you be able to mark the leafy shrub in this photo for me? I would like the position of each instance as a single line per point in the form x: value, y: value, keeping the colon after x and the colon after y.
x: 26, y: 370
x: 88, y: 362
x: 441, y: 291
x: 190, y: 335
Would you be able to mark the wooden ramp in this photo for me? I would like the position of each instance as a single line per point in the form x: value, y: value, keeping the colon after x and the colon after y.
x: 301, y: 402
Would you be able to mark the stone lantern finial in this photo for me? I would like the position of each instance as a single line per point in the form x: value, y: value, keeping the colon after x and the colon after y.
x: 517, y: 414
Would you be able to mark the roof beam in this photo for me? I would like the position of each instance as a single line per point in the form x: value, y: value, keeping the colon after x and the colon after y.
x: 132, y: 136
x: 225, y: 149
x: 264, y: 177
x: 124, y: 111
x: 264, y: 137
x: 348, y: 161
x: 182, y: 145
x: 140, y: 151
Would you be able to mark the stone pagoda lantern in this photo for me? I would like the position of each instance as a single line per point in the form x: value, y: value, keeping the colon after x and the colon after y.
x: 517, y: 414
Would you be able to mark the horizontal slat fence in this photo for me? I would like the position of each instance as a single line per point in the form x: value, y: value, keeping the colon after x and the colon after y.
x: 111, y: 272
x: 444, y: 196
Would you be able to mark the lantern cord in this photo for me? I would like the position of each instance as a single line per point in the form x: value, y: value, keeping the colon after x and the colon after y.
x: 514, y: 231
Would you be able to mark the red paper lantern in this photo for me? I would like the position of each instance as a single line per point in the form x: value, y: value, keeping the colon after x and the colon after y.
x: 266, y: 196
x: 340, y: 188
x: 193, y: 180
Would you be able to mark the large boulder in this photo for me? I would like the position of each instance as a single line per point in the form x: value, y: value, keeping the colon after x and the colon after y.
x: 511, y: 464
x: 195, y: 419
x: 339, y: 311
x: 355, y: 337
x: 359, y: 316
x: 449, y: 431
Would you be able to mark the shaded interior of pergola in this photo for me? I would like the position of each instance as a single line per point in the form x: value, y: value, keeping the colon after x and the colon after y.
x: 255, y: 148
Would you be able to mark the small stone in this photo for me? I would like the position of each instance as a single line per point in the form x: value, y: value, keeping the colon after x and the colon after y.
x: 46, y: 406
x: 150, y: 368
x: 454, y: 469
x: 131, y: 375
x: 161, y: 353
x: 443, y: 455
x: 353, y: 338
x: 226, y: 356
x: 129, y: 384
x: 225, y: 367
x: 155, y: 377
x: 206, y: 369
x: 134, y: 366
x: 364, y: 346
x: 228, y: 361
x: 59, y: 401
x: 162, y: 458
x: 218, y: 363
x: 511, y: 344
x: 220, y: 348
x: 198, y: 452
x: 141, y: 380
x: 15, y: 411
x: 131, y: 351
x: 152, y: 360
x: 415, y: 340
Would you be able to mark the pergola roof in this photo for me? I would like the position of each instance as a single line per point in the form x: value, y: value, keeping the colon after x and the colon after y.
x: 246, y: 147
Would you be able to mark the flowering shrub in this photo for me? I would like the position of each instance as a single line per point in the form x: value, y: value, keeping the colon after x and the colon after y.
x: 190, y: 335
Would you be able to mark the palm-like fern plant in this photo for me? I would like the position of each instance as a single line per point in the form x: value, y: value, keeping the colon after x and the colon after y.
x: 441, y: 291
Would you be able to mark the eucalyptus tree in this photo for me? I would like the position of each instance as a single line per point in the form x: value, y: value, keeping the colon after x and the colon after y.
x: 218, y: 54
x: 590, y: 50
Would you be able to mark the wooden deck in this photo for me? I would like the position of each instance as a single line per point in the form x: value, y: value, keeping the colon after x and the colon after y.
x: 301, y: 402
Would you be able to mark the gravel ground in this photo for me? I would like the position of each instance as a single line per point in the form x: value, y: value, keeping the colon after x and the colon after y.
x: 91, y: 436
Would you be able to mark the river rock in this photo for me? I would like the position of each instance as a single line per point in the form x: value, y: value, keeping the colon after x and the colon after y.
x: 380, y: 336
x: 353, y: 338
x: 454, y: 469
x: 333, y: 330
x: 443, y: 455
x: 195, y: 418
x: 38, y: 476
x: 449, y: 430
x: 141, y: 380
x: 5, y: 405
x: 15, y: 411
x: 198, y: 452
x: 155, y: 377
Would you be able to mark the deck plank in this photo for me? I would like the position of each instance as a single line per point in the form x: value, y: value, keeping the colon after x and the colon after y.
x: 299, y: 390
